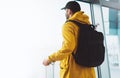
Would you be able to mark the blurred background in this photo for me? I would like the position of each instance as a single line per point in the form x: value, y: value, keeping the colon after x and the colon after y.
x: 30, y: 30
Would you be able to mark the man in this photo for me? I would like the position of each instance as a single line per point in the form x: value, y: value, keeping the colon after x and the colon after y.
x: 68, y: 67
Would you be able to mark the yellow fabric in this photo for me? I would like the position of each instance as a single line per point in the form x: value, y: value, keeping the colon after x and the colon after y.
x: 68, y: 67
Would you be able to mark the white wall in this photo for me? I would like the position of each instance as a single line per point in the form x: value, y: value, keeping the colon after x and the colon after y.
x: 30, y: 30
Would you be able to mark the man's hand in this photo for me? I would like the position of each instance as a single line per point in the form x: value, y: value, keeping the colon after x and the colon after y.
x: 46, y: 62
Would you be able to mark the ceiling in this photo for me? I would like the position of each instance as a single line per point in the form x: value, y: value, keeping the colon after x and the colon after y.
x: 115, y: 4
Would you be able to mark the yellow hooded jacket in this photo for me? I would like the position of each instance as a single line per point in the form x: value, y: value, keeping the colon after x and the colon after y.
x: 68, y: 67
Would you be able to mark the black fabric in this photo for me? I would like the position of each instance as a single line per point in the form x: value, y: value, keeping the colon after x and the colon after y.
x: 72, y: 5
x: 90, y: 50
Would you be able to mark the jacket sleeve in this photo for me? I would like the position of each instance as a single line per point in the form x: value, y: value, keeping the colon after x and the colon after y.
x: 68, y: 44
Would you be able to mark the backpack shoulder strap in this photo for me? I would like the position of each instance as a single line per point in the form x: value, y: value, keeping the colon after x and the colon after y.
x: 81, y: 24
x: 75, y: 22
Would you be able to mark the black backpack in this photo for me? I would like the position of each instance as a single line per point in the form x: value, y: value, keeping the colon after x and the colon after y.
x: 90, y: 50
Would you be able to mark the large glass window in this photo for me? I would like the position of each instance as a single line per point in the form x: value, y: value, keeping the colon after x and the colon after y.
x: 103, y: 70
x: 112, y: 30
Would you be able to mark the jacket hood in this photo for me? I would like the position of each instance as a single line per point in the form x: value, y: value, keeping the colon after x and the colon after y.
x: 80, y: 17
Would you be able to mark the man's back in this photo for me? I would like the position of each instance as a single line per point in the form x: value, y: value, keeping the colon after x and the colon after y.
x: 68, y: 66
